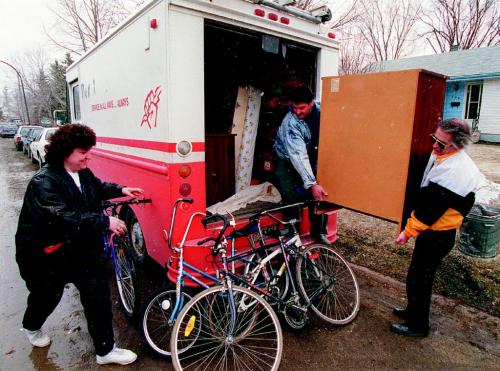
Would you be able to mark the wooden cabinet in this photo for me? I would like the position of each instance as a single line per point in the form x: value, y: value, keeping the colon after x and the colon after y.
x: 219, y: 167
x: 374, y: 139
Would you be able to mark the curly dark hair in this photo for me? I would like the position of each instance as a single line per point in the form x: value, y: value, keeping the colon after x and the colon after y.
x: 65, y: 140
x: 459, y: 129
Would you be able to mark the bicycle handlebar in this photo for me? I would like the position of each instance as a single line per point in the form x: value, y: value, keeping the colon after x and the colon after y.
x: 218, y: 239
x: 133, y: 201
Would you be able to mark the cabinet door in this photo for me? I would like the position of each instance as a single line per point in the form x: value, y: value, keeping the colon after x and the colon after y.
x: 219, y: 164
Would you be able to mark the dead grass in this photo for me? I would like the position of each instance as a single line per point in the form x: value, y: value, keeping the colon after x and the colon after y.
x: 368, y: 242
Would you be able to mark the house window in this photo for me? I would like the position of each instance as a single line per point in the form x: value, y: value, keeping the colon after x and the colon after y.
x: 76, y: 102
x: 473, y: 101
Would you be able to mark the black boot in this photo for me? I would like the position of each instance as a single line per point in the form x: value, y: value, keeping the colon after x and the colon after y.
x: 405, y: 330
x: 400, y: 312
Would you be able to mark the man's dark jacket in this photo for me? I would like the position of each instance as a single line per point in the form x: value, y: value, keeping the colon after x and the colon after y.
x: 54, y: 211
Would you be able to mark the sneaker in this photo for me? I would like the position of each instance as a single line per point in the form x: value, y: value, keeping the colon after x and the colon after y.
x: 37, y: 338
x: 117, y: 355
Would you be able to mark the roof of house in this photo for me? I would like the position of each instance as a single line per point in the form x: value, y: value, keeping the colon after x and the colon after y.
x: 479, y: 62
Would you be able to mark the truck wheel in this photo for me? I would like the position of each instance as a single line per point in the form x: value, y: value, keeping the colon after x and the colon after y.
x: 136, y: 237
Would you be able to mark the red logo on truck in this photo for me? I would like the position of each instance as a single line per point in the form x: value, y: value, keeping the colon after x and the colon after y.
x: 151, y: 108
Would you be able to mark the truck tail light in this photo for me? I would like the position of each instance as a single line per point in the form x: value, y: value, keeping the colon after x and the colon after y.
x: 260, y: 13
x: 272, y: 16
x: 185, y: 189
x: 185, y: 171
x: 285, y: 20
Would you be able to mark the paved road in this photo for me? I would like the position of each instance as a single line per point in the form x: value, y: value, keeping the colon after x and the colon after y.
x: 461, y: 337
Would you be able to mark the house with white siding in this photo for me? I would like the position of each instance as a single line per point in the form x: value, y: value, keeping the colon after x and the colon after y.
x: 472, y: 88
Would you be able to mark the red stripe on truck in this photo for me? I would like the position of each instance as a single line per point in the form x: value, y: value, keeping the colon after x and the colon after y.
x: 149, y: 144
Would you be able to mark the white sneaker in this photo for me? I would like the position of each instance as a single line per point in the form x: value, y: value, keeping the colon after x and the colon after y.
x: 117, y: 355
x: 37, y: 338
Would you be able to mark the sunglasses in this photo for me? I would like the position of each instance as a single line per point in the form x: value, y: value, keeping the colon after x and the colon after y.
x: 440, y: 143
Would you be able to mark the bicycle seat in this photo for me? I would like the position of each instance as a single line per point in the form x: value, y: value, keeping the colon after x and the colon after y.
x: 275, y: 233
x: 246, y: 230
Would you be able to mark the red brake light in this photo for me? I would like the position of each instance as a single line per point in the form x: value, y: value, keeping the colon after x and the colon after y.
x: 185, y: 189
x: 285, y: 20
x: 331, y: 35
x: 272, y: 16
x: 260, y: 13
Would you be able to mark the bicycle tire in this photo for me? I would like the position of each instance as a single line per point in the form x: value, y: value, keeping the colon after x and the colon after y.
x: 126, y: 278
x: 155, y: 325
x: 315, y: 267
x: 264, y: 343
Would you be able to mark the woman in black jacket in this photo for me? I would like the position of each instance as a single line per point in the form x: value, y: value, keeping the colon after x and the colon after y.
x: 59, y: 240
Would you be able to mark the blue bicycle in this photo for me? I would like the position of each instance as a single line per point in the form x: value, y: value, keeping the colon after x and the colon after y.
x: 118, y: 249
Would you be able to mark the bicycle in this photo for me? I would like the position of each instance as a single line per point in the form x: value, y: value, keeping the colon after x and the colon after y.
x: 215, y: 331
x: 326, y: 283
x: 475, y: 133
x: 118, y: 249
x: 321, y: 274
x: 162, y: 311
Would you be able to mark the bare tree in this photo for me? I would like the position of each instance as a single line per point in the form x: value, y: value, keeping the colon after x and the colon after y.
x: 343, y: 12
x: 354, y: 55
x: 82, y: 23
x: 32, y: 66
x: 388, y: 28
x: 466, y: 23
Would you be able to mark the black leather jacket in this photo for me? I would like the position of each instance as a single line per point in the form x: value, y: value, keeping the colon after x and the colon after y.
x: 54, y: 210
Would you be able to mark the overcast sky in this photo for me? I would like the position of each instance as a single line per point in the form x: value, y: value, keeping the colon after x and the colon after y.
x: 21, y: 29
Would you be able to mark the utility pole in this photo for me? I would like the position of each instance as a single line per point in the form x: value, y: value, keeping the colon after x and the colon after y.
x: 22, y: 88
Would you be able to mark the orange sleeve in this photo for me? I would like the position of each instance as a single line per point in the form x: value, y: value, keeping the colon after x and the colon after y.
x: 414, y: 226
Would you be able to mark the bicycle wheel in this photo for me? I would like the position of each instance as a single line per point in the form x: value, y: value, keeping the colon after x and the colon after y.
x: 260, y: 348
x: 156, y: 327
x: 126, y: 278
x: 325, y: 279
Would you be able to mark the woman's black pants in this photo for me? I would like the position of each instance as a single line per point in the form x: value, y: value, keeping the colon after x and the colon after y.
x: 46, y: 285
x: 430, y: 249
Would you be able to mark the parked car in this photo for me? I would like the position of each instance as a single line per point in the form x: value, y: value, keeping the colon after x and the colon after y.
x: 20, y: 135
x: 30, y: 137
x: 8, y: 130
x: 37, y: 147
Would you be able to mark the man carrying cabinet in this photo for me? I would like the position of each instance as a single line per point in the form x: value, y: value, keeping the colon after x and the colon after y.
x: 296, y: 152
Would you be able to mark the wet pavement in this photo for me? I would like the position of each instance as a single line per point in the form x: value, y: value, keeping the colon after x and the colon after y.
x: 461, y: 337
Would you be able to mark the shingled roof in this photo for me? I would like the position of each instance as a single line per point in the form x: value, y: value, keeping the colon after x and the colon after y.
x: 460, y: 63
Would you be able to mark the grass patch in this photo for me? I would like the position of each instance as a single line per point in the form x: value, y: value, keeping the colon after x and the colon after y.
x: 369, y: 242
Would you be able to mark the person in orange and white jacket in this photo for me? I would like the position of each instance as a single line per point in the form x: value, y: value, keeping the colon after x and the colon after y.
x: 444, y: 199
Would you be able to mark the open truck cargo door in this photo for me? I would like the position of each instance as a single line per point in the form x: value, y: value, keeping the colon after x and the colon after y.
x: 374, y: 139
